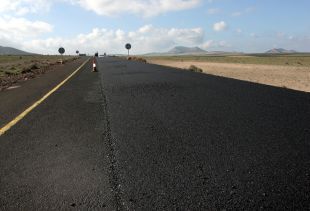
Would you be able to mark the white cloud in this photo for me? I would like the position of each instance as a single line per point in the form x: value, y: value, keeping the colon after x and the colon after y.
x: 146, y: 8
x: 22, y: 7
x: 146, y: 29
x: 15, y: 30
x: 219, y: 45
x: 224, y: 44
x: 208, y: 44
x: 145, y: 39
x: 220, y: 26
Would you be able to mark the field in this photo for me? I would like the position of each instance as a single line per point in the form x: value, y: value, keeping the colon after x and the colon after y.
x: 16, y: 68
x: 14, y: 65
x: 287, y: 71
x: 265, y: 59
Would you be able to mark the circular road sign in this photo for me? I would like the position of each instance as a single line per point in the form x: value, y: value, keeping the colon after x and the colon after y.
x: 61, y: 50
x: 77, y: 52
x: 128, y: 46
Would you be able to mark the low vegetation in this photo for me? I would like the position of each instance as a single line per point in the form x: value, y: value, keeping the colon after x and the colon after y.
x: 14, y: 65
x: 302, y: 60
x: 291, y: 71
x: 196, y: 69
x: 139, y: 59
x: 15, y: 68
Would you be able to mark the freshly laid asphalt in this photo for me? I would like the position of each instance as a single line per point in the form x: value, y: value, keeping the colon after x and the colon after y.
x: 135, y: 136
x: 14, y: 101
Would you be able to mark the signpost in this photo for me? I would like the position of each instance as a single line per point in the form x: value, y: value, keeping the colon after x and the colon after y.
x: 61, y: 50
x: 77, y: 52
x: 128, y: 47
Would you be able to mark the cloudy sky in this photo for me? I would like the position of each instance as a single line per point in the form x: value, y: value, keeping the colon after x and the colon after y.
x: 42, y: 26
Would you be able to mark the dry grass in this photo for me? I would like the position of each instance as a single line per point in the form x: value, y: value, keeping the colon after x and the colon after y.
x: 16, y: 68
x: 264, y: 59
x: 15, y: 65
x: 295, y: 77
x: 196, y: 69
x: 134, y: 58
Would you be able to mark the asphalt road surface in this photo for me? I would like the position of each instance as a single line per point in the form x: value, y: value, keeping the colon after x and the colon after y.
x: 144, y: 137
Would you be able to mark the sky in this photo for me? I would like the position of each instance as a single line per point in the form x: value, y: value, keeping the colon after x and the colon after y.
x: 250, y: 26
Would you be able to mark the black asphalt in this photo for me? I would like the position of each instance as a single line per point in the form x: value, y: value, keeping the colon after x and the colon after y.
x: 56, y: 158
x: 15, y: 101
x: 136, y: 136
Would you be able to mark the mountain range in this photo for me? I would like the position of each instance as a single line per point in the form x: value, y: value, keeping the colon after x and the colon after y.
x: 12, y: 51
x: 280, y: 50
x: 186, y: 50
x: 181, y: 50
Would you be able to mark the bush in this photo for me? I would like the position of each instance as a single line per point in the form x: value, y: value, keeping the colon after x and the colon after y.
x: 136, y: 59
x: 26, y: 70
x: 34, y: 67
x: 7, y: 72
x: 141, y: 60
x: 196, y: 69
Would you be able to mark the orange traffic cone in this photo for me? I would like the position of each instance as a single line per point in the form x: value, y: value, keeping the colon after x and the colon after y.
x: 94, y: 66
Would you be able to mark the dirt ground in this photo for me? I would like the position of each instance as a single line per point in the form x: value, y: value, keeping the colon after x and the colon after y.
x: 291, y: 77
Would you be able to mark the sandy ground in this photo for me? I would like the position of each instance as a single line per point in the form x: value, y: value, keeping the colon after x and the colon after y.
x: 291, y: 77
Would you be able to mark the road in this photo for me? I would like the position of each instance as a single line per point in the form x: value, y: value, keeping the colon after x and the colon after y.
x: 136, y: 136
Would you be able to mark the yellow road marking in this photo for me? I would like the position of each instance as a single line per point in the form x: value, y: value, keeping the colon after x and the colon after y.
x: 28, y: 110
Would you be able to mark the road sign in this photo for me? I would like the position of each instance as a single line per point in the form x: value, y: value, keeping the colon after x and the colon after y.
x: 61, y: 50
x: 128, y: 47
x: 77, y: 52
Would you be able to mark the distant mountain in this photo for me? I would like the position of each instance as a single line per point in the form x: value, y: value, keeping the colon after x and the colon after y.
x: 12, y: 51
x: 186, y: 50
x: 181, y: 50
x: 280, y: 50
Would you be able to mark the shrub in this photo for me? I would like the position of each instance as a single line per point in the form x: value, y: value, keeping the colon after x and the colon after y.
x: 26, y: 70
x: 34, y: 67
x: 8, y: 72
x: 196, y: 69
x: 139, y: 59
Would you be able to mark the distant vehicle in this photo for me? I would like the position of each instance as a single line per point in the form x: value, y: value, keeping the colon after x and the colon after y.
x: 96, y: 54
